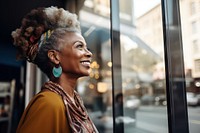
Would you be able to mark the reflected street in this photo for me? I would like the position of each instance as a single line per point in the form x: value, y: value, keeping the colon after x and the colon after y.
x: 152, y: 119
x: 194, y: 119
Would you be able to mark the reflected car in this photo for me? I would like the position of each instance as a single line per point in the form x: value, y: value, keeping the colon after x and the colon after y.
x: 104, y: 120
x: 198, y: 97
x: 132, y: 102
x: 160, y: 100
x: 192, y: 99
x: 147, y: 100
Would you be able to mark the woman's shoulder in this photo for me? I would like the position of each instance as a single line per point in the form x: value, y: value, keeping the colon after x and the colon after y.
x: 48, y: 95
x: 45, y: 107
x: 46, y: 99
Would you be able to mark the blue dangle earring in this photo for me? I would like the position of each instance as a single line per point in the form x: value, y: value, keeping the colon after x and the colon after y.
x: 57, y: 71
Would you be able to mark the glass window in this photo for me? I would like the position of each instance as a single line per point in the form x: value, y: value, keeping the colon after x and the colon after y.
x: 143, y: 71
x: 197, y: 65
x: 142, y: 98
x: 193, y: 7
x: 196, y: 47
x: 194, y: 27
x: 96, y: 90
x: 192, y: 60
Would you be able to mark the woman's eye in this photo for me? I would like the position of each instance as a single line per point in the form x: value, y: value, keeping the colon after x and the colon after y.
x: 80, y: 46
x: 89, y: 49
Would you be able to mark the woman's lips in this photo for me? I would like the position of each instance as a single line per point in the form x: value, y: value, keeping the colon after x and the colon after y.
x: 86, y: 63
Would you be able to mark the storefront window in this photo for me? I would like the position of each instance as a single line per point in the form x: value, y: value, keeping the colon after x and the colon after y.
x: 137, y: 75
x: 190, y: 15
x: 96, y: 90
x: 143, y: 71
x: 191, y: 43
x: 142, y: 66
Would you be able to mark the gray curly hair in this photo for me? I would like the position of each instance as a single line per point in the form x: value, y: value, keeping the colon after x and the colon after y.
x: 41, y: 31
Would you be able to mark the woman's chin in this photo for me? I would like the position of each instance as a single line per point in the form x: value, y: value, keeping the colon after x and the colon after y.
x: 85, y: 74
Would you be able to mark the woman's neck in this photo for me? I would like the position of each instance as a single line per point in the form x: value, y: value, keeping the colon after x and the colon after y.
x: 68, y: 84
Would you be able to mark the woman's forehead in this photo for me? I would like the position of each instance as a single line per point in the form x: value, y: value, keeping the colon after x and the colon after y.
x: 73, y: 37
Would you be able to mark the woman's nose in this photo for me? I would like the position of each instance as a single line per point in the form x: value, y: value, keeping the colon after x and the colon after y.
x: 88, y: 53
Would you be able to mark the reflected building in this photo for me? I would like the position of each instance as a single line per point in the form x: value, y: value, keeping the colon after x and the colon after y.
x: 149, y: 27
x: 138, y: 59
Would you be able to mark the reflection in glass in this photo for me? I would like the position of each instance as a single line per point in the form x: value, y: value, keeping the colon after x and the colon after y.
x: 190, y: 16
x: 143, y: 71
x: 96, y: 90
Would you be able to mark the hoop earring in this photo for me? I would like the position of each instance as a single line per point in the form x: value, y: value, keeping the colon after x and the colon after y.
x: 57, y: 71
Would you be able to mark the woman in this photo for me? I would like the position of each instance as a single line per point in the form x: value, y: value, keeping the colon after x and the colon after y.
x: 51, y: 39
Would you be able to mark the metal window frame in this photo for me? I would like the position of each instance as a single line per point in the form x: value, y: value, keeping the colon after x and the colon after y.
x: 174, y: 64
x: 116, y: 58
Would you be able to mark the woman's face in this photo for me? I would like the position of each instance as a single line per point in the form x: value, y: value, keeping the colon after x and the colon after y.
x: 75, y: 58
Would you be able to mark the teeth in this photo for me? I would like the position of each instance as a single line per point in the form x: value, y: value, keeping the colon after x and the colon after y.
x: 85, y: 63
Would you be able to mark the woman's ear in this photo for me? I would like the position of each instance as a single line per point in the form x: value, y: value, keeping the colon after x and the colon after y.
x: 53, y: 56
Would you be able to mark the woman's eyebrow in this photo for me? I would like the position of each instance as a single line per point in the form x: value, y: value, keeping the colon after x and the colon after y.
x: 82, y: 42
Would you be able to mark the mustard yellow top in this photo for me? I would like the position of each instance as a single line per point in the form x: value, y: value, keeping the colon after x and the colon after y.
x: 44, y: 114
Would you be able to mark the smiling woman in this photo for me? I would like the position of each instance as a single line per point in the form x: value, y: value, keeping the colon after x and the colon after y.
x: 51, y: 39
x: 75, y: 57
